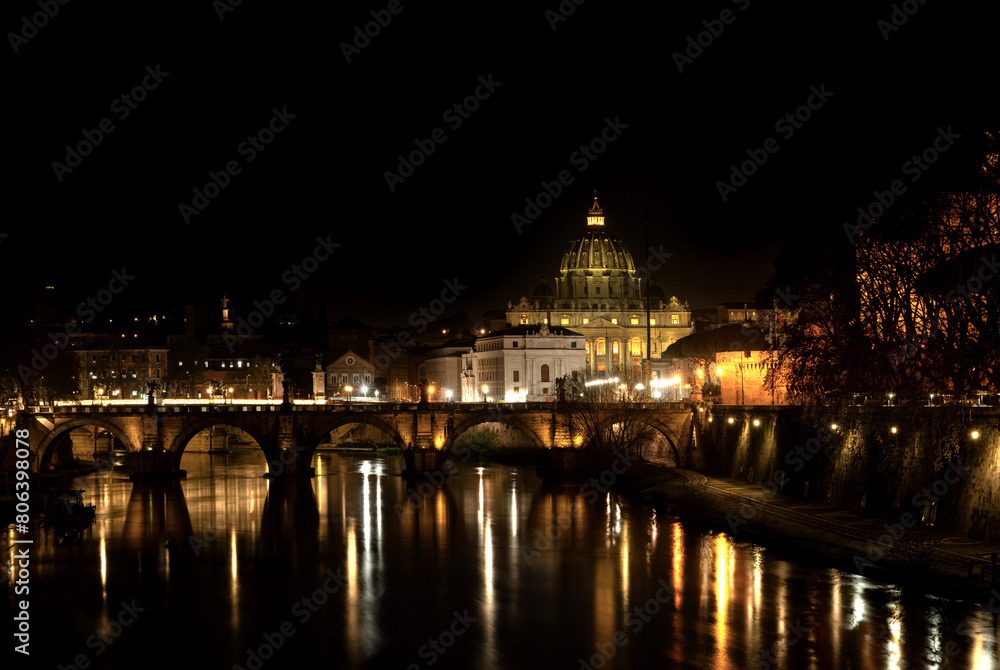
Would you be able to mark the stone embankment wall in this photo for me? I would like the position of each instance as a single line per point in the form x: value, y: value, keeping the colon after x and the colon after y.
x: 850, y: 457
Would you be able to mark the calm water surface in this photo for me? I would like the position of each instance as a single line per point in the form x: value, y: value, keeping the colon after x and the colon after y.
x: 492, y: 570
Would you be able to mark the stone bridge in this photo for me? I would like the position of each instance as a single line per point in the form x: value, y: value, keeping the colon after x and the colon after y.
x: 156, y: 435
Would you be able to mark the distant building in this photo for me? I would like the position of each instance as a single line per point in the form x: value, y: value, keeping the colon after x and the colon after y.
x: 522, y: 363
x: 598, y: 294
x: 391, y: 361
x: 737, y: 312
x: 742, y: 377
x: 442, y: 368
x: 119, y: 372
x: 349, y: 369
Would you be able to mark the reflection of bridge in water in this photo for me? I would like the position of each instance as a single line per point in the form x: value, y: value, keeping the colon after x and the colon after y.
x: 156, y: 435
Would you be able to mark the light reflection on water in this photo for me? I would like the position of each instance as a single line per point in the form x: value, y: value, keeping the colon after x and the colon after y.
x: 545, y: 578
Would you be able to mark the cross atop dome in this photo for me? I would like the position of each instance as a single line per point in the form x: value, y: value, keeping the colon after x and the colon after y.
x: 595, y: 215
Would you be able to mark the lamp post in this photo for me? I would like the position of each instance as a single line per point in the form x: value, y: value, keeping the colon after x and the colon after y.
x: 349, y: 390
x: 447, y: 394
x: 486, y: 389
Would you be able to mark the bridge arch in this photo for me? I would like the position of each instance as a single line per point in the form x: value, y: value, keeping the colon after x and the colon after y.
x: 671, y: 438
x: 328, y: 424
x: 194, y: 426
x: 47, y: 446
x: 467, y: 423
x: 666, y: 431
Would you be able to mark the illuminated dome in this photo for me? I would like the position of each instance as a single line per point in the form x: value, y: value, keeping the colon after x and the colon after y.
x: 595, y: 248
x: 597, y: 267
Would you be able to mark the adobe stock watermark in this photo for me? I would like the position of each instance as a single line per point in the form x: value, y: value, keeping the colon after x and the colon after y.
x: 223, y: 7
x: 956, y: 297
x: 31, y: 25
x: 565, y: 10
x: 714, y: 28
x: 293, y: 278
x: 581, y: 158
x: 381, y: 18
x: 419, y: 319
x: 250, y: 148
x: 416, y: 495
x: 896, y: 531
x: 303, y: 610
x: 900, y: 14
x: 914, y: 168
x: 122, y: 107
x: 786, y: 125
x: 454, y: 116
x: 640, y: 616
x: 100, y: 641
x: 656, y: 258
x: 87, y: 311
x: 437, y: 646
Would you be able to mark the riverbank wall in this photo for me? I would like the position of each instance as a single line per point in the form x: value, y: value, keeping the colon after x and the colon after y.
x: 940, y: 464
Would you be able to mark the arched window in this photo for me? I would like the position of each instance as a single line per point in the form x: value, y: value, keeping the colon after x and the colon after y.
x: 600, y: 346
x: 545, y: 373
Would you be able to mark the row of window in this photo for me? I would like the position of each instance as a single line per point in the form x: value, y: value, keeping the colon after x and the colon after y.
x: 114, y: 358
x: 566, y: 320
x: 222, y: 365
x: 104, y: 374
x: 355, y: 379
x: 543, y: 373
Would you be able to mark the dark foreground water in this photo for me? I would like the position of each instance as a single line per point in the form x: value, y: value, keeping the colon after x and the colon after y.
x: 494, y: 570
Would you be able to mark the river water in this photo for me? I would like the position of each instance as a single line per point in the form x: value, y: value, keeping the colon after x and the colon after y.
x: 361, y: 568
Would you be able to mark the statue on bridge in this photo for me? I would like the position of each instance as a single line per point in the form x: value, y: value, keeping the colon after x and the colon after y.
x: 151, y: 387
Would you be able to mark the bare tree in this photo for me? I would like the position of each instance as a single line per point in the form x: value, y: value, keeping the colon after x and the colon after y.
x: 609, y: 415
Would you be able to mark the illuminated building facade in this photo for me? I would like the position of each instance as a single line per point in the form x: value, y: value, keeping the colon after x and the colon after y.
x: 598, y: 294
x: 522, y: 364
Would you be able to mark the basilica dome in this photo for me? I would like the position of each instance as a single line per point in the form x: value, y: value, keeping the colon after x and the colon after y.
x: 597, y: 267
x: 595, y: 248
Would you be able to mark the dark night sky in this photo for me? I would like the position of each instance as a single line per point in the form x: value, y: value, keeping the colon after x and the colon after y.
x: 323, y: 174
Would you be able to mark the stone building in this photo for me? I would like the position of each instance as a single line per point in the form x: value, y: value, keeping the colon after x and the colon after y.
x: 350, y: 369
x: 522, y: 364
x: 119, y: 372
x: 601, y: 296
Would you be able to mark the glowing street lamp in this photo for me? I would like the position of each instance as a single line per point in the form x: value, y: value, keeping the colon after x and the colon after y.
x: 486, y: 390
x: 447, y: 394
x: 349, y: 389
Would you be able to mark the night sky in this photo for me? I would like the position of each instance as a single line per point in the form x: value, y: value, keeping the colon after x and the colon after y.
x: 220, y: 80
